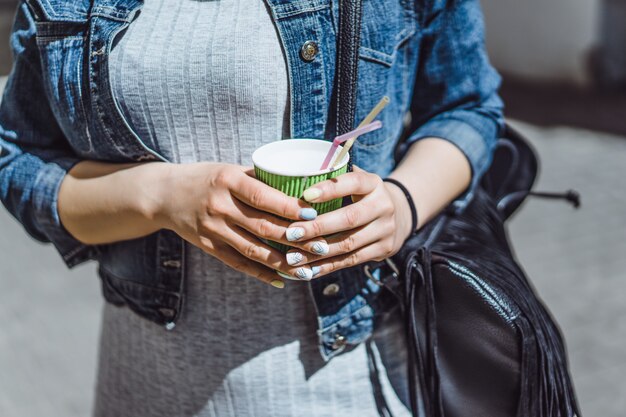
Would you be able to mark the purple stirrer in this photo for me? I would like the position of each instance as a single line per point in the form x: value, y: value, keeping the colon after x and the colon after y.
x: 377, y: 124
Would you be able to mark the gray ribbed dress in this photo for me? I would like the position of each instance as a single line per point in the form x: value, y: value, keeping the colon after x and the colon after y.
x: 207, y: 81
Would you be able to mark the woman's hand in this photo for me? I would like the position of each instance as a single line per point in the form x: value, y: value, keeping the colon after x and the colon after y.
x: 373, y: 228
x: 222, y: 209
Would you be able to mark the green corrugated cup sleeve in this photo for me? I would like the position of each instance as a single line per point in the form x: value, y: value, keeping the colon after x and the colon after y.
x: 295, y: 186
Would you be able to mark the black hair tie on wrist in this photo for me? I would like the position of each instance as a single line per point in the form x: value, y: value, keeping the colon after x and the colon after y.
x: 409, y: 199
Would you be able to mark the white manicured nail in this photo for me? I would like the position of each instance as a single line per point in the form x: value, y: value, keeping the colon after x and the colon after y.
x: 320, y: 248
x: 304, y: 273
x: 294, y: 257
x: 294, y: 233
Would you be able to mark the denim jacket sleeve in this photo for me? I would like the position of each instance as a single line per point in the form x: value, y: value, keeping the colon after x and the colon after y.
x: 34, y: 154
x: 455, y: 95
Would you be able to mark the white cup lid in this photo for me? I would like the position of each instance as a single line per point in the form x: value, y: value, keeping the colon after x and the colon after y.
x: 295, y: 157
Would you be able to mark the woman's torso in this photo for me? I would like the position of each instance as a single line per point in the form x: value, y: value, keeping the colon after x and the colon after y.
x: 73, y: 43
x: 193, y: 88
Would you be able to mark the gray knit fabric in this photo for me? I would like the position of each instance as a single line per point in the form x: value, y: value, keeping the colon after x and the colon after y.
x: 207, y: 81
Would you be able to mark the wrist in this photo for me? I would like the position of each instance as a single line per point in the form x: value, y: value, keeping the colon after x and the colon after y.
x: 153, y: 184
x: 403, y: 210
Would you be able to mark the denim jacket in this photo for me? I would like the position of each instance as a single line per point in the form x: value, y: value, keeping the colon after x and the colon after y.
x: 428, y: 56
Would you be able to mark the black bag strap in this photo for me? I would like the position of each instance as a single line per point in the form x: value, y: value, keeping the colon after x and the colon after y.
x: 512, y: 174
x: 348, y: 41
x: 347, y: 63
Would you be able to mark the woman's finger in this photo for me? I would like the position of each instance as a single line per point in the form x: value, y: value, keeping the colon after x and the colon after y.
x: 268, y: 226
x: 254, y: 249
x: 339, y: 244
x: 367, y: 253
x: 256, y: 194
x: 345, y: 218
x: 352, y: 183
x: 235, y: 260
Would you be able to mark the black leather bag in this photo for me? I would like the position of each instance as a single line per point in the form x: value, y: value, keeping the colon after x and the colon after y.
x: 481, y: 343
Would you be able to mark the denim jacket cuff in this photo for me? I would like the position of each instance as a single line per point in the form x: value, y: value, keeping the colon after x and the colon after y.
x: 45, y: 197
x: 469, y: 140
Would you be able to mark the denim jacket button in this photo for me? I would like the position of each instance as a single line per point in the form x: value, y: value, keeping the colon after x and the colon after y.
x: 171, y: 263
x: 340, y: 341
x: 146, y: 157
x: 309, y: 50
x: 167, y: 312
x: 331, y: 290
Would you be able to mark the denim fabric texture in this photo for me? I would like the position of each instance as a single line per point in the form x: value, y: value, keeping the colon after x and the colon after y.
x: 427, y: 56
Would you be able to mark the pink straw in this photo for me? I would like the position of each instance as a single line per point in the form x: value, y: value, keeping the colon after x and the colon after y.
x: 347, y: 136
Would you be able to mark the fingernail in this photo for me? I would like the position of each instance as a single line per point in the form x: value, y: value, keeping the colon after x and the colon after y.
x: 277, y: 283
x: 282, y: 274
x: 311, y: 194
x: 304, y: 273
x: 320, y: 248
x: 294, y: 233
x: 308, y: 213
x: 294, y: 257
x: 316, y: 270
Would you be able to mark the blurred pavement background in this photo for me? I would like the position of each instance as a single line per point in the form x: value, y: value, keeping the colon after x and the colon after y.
x: 575, y: 258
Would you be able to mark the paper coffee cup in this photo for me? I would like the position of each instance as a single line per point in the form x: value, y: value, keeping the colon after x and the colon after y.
x: 292, y: 166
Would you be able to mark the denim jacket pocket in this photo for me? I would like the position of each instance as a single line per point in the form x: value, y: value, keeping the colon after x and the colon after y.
x: 351, y: 325
x: 388, y: 25
x: 74, y: 57
x: 389, y: 34
x: 146, y: 274
x: 61, y: 46
x: 105, y: 27
x: 61, y: 38
x: 150, y: 302
x: 60, y: 10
